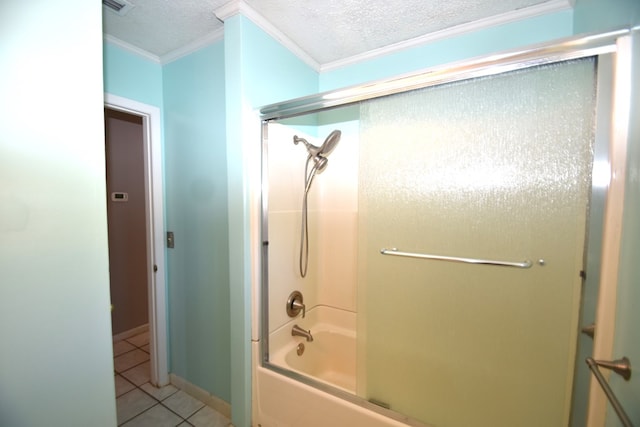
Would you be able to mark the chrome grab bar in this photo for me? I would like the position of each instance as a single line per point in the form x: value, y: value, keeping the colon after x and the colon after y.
x: 621, y: 367
x: 396, y: 252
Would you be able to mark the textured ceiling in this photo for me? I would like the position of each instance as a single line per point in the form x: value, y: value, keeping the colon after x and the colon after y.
x: 162, y: 26
x: 327, y: 30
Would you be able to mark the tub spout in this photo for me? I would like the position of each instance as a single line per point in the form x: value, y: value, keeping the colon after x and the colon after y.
x: 297, y: 331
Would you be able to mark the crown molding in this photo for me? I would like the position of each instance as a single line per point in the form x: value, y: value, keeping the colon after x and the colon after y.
x: 131, y: 48
x: 551, y: 6
x: 193, y: 46
x: 236, y: 7
x: 230, y: 9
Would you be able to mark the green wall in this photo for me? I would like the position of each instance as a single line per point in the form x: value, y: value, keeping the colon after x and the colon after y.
x: 196, y: 199
x: 56, y: 363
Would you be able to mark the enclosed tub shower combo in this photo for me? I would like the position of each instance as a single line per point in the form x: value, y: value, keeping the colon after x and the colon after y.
x: 431, y: 244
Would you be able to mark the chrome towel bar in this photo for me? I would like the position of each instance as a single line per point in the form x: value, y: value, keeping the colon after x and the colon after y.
x: 621, y: 367
x: 396, y: 252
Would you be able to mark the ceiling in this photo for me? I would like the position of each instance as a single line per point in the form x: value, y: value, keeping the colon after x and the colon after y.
x: 321, y: 31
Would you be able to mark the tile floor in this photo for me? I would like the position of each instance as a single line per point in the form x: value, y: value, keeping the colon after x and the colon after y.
x: 140, y: 404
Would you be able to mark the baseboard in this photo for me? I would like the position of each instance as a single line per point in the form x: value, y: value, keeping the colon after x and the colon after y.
x: 131, y: 332
x: 202, y: 395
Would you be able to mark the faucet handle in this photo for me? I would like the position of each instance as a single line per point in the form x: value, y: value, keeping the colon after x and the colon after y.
x: 295, y: 303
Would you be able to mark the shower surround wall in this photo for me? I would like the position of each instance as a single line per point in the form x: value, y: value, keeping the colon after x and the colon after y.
x: 332, y: 213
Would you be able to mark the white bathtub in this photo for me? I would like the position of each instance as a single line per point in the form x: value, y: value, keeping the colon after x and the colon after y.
x: 330, y: 357
x: 281, y: 401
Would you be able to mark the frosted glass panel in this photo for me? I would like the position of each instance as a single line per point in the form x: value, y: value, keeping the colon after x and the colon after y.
x: 494, y: 168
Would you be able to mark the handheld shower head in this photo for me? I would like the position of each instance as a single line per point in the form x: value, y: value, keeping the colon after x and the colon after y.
x: 330, y: 143
x: 320, y: 161
x: 319, y: 154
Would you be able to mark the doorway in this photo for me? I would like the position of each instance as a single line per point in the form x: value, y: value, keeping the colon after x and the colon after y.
x: 126, y: 213
x: 141, y: 232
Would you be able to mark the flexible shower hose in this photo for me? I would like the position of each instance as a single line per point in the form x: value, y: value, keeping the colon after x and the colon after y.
x: 304, y: 231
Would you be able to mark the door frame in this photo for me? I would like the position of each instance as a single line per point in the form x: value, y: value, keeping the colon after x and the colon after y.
x: 154, y: 212
x: 603, y: 343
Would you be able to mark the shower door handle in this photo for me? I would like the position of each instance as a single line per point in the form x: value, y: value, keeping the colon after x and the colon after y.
x: 518, y: 264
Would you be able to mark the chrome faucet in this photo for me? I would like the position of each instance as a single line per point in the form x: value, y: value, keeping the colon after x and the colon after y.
x: 297, y: 331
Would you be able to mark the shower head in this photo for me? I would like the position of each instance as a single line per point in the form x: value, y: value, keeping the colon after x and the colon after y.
x: 327, y: 146
x: 319, y: 154
x: 312, y: 149
x: 320, y: 163
x: 319, y: 157
x: 330, y: 143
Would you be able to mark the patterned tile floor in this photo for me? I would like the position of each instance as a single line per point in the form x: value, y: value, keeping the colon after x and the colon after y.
x: 140, y: 404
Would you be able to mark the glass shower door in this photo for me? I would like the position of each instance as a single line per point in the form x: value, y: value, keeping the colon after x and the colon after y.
x: 495, y: 168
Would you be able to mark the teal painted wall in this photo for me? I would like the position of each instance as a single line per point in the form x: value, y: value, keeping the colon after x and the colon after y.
x: 239, y: 228
x: 604, y: 15
x: 258, y: 71
x: 131, y: 76
x: 271, y: 72
x: 196, y: 208
x: 56, y: 363
x: 496, y: 39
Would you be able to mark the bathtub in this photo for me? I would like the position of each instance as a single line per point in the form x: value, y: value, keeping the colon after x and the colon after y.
x: 331, y: 356
x: 317, y: 388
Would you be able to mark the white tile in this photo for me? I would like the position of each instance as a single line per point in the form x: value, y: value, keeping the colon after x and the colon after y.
x: 139, y: 340
x: 122, y: 386
x: 139, y: 374
x: 208, y: 417
x: 133, y: 403
x: 182, y: 404
x: 129, y: 360
x: 121, y: 347
x: 157, y: 416
x: 159, y: 393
